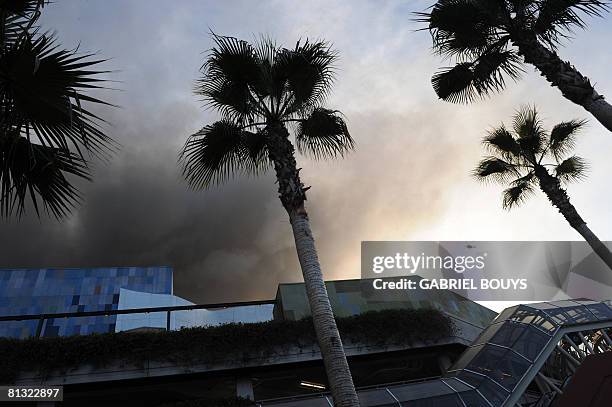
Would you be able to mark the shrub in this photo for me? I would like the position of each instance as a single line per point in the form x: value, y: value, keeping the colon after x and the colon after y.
x: 202, y: 345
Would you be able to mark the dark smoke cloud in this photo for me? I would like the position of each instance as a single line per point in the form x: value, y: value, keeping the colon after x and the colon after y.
x: 234, y: 242
x: 229, y: 243
x: 140, y: 213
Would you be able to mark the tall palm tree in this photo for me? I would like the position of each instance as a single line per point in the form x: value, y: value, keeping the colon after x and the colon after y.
x: 519, y: 160
x: 487, y: 38
x: 262, y: 91
x: 44, y: 131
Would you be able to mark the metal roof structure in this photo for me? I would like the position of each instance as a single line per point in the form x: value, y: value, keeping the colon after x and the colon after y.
x: 541, y: 343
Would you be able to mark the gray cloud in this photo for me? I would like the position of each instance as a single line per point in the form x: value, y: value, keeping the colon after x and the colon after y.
x: 408, y: 179
x: 234, y: 242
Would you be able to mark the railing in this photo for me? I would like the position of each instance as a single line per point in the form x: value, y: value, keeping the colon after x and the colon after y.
x: 168, y: 310
x: 42, y: 318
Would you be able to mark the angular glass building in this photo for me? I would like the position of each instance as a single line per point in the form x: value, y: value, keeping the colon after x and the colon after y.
x: 57, y: 290
x: 353, y: 297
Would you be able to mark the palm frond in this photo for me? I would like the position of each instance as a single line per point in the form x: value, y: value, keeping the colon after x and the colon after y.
x: 44, y: 128
x: 557, y: 18
x: 307, y: 71
x: 21, y: 8
x: 256, y: 150
x: 531, y: 134
x: 41, y: 93
x: 571, y: 169
x: 19, y: 19
x: 496, y: 169
x: 455, y: 84
x: 229, y: 74
x: 501, y: 141
x: 38, y: 171
x: 462, y: 28
x: 468, y: 81
x: 562, y: 137
x: 491, y: 68
x: 324, y: 134
x: 522, y: 6
x: 519, y: 191
x: 266, y: 51
x: 218, y: 151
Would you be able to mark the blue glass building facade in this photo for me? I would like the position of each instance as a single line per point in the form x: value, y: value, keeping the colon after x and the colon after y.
x: 54, y: 290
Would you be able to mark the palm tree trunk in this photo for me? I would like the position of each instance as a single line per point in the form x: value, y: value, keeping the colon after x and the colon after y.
x: 558, y: 197
x: 292, y: 195
x: 573, y: 85
x: 336, y: 365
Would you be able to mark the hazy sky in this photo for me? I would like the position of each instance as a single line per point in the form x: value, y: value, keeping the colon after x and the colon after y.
x: 408, y: 180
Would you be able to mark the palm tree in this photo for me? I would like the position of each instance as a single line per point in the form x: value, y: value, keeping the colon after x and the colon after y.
x: 44, y: 130
x: 519, y: 160
x: 487, y: 38
x: 261, y: 91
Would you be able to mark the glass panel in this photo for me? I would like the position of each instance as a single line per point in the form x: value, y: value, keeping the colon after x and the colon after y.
x: 565, y: 303
x: 509, y: 333
x: 544, y: 324
x: 213, y: 317
x: 457, y: 385
x: 376, y: 397
x: 79, y: 325
x: 488, y: 333
x: 465, y: 358
x: 531, y: 343
x: 558, y: 315
x: 142, y: 321
x: 570, y: 315
x: 473, y: 399
x: 601, y: 311
x: 450, y: 400
x: 579, y: 314
x: 423, y: 390
x: 524, y: 315
x: 501, y: 365
x: 541, y: 305
x: 490, y: 390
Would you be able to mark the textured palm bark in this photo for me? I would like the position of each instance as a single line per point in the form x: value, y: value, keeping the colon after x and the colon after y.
x: 573, y: 85
x: 558, y: 197
x: 292, y: 195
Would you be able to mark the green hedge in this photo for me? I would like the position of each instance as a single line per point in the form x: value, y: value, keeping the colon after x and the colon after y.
x: 211, y: 344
